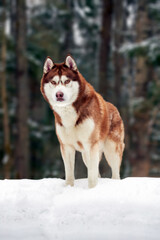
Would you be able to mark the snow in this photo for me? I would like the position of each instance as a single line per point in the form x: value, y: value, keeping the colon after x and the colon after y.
x: 78, y: 39
x: 47, y: 209
x: 32, y: 123
x: 131, y: 16
x: 5, y: 159
x: 152, y: 44
x: 32, y: 3
x: 155, y: 6
x: 131, y: 46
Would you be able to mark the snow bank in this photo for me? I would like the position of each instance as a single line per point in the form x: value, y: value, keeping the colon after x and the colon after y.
x: 47, y: 209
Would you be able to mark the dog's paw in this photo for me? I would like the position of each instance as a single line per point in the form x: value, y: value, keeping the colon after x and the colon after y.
x: 70, y: 183
x: 92, y: 184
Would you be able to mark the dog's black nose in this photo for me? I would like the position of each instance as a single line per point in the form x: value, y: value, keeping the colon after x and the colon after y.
x: 59, y: 95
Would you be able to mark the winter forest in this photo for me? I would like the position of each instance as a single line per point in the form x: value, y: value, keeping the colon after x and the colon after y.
x: 116, y: 47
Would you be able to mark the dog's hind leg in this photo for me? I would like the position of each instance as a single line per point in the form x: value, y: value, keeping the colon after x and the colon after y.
x: 113, y: 154
x: 68, y: 155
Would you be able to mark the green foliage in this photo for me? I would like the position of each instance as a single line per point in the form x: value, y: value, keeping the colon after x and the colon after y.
x: 149, y: 49
x: 54, y: 29
x: 138, y: 51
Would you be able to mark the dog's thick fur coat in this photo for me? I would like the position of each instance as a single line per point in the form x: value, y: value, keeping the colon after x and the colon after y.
x: 84, y: 121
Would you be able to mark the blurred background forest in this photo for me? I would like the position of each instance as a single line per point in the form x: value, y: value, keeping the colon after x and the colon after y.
x: 116, y: 46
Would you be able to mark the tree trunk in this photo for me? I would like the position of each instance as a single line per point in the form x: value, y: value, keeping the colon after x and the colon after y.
x: 68, y: 45
x: 118, y: 59
x: 104, y: 86
x: 6, y: 129
x: 104, y: 54
x: 13, y: 18
x: 140, y: 129
x: 22, y: 144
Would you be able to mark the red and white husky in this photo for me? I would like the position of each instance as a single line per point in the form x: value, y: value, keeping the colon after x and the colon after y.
x: 84, y: 121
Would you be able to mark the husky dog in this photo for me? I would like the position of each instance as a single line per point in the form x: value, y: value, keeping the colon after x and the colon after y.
x: 84, y: 121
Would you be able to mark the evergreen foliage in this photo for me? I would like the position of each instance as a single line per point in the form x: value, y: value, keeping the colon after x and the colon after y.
x: 55, y: 28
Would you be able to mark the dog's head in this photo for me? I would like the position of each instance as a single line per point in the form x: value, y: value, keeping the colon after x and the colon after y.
x: 60, y: 82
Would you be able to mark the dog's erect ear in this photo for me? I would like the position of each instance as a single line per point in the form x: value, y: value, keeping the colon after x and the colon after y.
x: 48, y: 65
x: 69, y: 62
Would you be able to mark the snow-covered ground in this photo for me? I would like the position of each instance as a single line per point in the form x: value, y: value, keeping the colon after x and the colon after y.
x: 47, y: 209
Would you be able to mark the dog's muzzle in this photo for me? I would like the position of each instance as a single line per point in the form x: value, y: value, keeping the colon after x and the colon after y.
x: 59, y: 96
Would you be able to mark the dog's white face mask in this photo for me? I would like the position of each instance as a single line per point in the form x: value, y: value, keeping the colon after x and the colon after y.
x: 61, y: 89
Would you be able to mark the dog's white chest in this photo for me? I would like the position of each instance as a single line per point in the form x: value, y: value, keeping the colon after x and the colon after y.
x: 76, y: 135
x: 68, y: 115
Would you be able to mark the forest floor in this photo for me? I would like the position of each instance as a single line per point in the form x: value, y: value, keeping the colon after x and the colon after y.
x: 48, y: 210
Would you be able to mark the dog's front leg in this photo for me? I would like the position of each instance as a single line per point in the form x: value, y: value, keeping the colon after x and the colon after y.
x: 93, y: 166
x: 68, y: 155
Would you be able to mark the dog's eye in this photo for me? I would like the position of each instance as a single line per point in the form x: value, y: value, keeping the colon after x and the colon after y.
x: 53, y: 82
x: 67, y: 81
